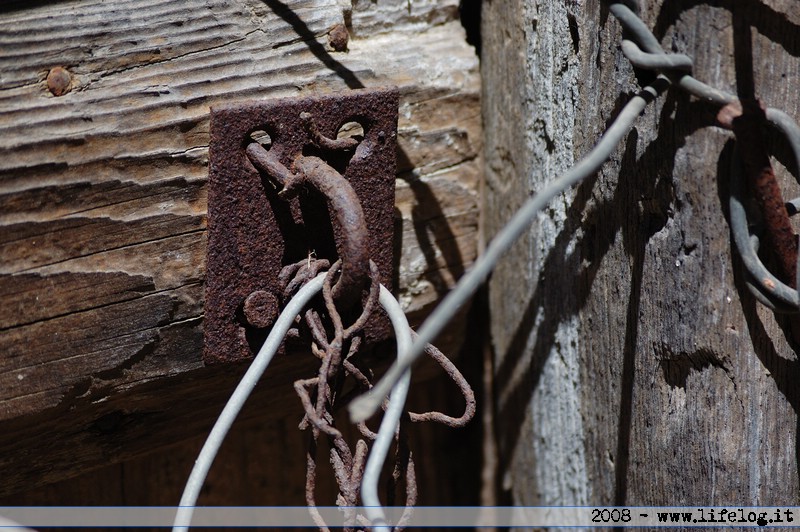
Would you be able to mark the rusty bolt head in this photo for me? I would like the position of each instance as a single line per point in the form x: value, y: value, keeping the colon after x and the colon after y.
x: 338, y: 38
x: 59, y: 81
x: 261, y: 309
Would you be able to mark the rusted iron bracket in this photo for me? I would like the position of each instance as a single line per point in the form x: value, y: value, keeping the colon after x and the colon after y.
x: 262, y: 216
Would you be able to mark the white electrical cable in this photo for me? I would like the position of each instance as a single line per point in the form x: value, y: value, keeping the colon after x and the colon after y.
x: 364, y: 406
x: 209, y: 451
x: 391, y: 418
x: 388, y: 427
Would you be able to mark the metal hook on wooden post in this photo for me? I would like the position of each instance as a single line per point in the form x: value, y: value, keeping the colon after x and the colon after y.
x: 343, y: 204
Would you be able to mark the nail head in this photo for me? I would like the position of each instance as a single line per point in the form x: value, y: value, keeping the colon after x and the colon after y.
x: 59, y: 81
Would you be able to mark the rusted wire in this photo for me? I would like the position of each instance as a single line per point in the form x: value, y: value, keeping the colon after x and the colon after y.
x: 320, y: 140
x: 463, y: 387
x: 405, y: 462
x: 296, y: 275
x: 321, y: 395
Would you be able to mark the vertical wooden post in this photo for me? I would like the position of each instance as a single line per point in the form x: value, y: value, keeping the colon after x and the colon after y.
x: 633, y: 367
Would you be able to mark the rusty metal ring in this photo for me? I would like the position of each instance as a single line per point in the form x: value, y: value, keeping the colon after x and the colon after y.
x: 347, y: 215
x: 766, y: 288
x: 343, y: 205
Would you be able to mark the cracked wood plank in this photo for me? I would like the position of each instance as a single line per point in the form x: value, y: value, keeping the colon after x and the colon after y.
x: 103, y: 198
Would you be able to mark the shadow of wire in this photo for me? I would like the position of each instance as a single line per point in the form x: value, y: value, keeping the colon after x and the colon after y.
x: 601, y: 222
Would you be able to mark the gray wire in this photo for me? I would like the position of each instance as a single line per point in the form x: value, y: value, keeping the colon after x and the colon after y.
x: 764, y: 286
x: 651, y: 61
x: 391, y: 418
x: 367, y: 404
x: 7, y: 525
x: 648, y: 42
x: 209, y: 451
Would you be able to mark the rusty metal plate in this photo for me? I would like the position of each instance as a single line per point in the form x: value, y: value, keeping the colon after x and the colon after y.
x: 253, y: 233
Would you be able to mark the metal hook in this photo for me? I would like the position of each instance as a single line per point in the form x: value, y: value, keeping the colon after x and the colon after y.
x: 343, y: 204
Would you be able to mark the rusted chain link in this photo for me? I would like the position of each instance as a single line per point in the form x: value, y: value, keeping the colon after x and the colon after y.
x: 642, y: 48
x: 344, y: 207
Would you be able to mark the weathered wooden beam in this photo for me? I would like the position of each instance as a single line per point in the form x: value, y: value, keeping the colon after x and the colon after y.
x: 632, y: 364
x: 103, y: 198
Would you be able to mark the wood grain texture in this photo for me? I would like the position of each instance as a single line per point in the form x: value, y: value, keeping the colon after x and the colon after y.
x: 103, y: 197
x: 633, y: 366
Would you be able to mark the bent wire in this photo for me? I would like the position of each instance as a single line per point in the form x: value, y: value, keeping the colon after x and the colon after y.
x: 209, y: 451
x: 367, y: 404
x: 391, y: 418
x: 388, y: 425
